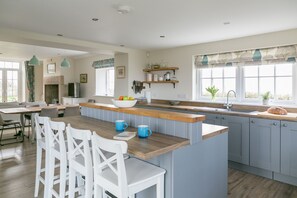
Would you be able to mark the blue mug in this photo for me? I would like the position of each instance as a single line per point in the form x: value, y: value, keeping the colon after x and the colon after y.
x: 144, y: 131
x: 120, y: 125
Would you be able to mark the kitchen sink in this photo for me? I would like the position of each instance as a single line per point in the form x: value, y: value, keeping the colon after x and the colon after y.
x: 223, y: 110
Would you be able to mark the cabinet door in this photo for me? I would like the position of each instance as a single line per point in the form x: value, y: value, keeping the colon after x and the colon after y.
x: 289, y: 148
x: 238, y: 138
x: 265, y: 144
x: 211, y: 118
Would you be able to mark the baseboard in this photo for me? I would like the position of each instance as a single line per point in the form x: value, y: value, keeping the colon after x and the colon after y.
x: 250, y: 169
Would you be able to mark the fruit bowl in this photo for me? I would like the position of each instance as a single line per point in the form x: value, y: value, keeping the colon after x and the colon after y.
x: 123, y: 103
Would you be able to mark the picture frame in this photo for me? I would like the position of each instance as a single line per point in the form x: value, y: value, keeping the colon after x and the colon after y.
x: 83, y: 78
x: 120, y: 72
x: 51, y: 68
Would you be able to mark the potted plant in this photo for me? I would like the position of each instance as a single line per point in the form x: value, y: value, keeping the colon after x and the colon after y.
x: 265, y: 98
x: 213, y: 91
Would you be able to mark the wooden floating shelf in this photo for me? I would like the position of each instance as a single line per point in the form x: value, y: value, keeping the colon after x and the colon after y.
x: 161, y: 82
x: 162, y: 69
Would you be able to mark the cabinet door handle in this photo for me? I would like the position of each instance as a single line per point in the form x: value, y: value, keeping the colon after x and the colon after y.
x: 252, y: 121
x: 274, y: 124
x: 223, y: 118
x: 285, y: 125
x: 217, y: 117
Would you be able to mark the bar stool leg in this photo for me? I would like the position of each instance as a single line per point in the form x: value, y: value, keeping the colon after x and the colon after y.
x: 38, y: 170
x: 160, y: 187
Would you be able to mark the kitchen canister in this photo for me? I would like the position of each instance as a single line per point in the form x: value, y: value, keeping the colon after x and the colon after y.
x: 149, y: 77
x: 156, y: 77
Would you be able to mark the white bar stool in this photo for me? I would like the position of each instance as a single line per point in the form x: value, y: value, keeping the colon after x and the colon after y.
x: 40, y: 147
x: 121, y: 177
x: 80, y: 160
x: 56, y: 149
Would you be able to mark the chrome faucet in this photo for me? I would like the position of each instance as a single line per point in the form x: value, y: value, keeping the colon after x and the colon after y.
x: 229, y: 105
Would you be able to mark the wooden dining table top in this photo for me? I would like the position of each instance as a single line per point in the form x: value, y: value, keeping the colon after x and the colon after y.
x: 143, y: 148
x: 20, y: 110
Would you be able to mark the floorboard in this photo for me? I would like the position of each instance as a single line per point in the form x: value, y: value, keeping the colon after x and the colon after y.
x: 17, y: 175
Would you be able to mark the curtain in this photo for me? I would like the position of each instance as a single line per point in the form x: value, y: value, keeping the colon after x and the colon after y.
x: 30, y: 81
x: 103, y: 63
x: 248, y: 57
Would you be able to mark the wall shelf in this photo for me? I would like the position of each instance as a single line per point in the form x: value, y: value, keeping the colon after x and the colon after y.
x: 162, y: 69
x: 161, y: 82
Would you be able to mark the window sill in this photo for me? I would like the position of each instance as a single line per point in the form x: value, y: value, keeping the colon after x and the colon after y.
x: 103, y: 96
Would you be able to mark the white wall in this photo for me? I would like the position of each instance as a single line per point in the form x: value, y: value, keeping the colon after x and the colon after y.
x: 182, y: 57
x: 133, y: 61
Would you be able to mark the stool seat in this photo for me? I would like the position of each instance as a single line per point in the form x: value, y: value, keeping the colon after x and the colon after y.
x: 137, y: 172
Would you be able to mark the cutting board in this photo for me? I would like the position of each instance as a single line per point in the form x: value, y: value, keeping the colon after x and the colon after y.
x: 289, y: 116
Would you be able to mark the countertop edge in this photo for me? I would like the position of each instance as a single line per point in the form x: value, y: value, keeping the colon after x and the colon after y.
x: 176, y: 116
x: 210, y: 130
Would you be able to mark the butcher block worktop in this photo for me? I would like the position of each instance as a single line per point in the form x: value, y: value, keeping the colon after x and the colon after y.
x: 144, y: 148
x: 182, y: 117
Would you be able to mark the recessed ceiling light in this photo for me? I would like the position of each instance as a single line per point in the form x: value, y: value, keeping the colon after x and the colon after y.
x: 59, y: 34
x: 162, y: 36
x: 122, y: 45
x: 123, y: 9
x: 227, y: 23
x: 95, y: 19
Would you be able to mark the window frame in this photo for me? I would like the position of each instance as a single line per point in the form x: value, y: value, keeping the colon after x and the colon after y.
x: 105, y: 94
x: 5, y: 83
x: 240, y: 88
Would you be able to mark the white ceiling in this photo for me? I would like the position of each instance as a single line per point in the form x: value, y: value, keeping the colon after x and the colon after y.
x: 182, y: 22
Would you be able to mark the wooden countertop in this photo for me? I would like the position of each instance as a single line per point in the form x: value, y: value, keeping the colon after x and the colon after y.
x: 210, y: 130
x: 156, y: 144
x: 252, y: 114
x: 182, y: 117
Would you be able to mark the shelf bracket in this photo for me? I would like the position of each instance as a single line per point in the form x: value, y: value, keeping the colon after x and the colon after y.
x: 173, y: 71
x: 173, y: 85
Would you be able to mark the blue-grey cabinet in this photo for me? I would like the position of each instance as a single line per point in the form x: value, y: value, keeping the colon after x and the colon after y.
x: 238, y: 138
x: 265, y: 144
x: 238, y: 135
x: 289, y: 148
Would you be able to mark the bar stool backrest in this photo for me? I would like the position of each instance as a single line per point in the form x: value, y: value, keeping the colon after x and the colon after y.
x: 55, y: 136
x: 39, y: 126
x: 100, y: 147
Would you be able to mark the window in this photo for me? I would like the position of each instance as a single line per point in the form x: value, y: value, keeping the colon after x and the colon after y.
x: 250, y: 82
x: 222, y: 78
x: 277, y: 79
x: 105, y: 81
x: 10, y: 88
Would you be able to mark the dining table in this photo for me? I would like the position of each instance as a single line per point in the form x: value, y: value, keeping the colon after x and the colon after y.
x: 28, y: 110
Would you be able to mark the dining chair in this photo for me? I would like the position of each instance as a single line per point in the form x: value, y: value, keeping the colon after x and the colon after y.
x: 28, y: 117
x: 57, y: 158
x: 80, y: 160
x: 122, y: 178
x: 72, y: 111
x: 51, y: 112
x: 10, y: 124
x: 40, y: 149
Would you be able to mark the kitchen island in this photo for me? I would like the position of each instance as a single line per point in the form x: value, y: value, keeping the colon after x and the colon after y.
x: 195, y: 162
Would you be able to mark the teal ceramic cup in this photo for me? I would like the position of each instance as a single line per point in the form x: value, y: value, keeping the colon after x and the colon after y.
x: 120, y: 125
x: 143, y: 131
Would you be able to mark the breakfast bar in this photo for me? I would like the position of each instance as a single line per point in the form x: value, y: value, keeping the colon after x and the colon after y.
x: 193, y: 154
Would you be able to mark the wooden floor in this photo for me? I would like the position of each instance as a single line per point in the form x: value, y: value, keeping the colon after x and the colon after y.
x: 17, y: 175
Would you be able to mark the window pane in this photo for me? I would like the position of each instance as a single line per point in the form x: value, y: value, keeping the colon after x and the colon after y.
x: 1, y: 64
x: 219, y: 84
x: 110, y: 82
x: 217, y: 72
x: 8, y: 65
x: 12, y: 86
x: 229, y: 84
x: 205, y: 73
x: 205, y: 83
x: 267, y: 84
x: 230, y: 72
x: 266, y: 70
x: 251, y: 71
x: 284, y: 88
x: 15, y: 65
x: 251, y: 87
x: 284, y: 70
